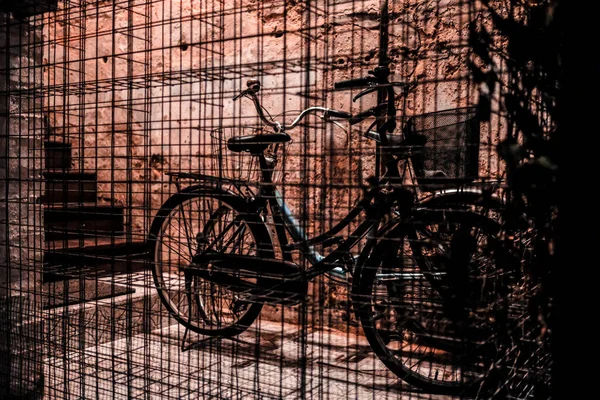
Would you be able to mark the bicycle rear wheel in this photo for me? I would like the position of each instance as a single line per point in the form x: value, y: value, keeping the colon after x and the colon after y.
x: 411, y: 313
x: 188, y: 222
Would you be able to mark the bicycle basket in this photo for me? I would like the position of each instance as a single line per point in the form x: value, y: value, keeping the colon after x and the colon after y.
x: 444, y: 146
x: 232, y: 165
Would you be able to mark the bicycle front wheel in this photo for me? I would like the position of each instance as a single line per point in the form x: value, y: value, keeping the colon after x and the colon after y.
x: 188, y: 222
x: 408, y: 311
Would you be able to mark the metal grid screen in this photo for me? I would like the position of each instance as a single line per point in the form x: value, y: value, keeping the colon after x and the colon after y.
x: 256, y: 199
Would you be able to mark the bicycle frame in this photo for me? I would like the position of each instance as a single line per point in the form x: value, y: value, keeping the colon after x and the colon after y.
x: 285, y: 221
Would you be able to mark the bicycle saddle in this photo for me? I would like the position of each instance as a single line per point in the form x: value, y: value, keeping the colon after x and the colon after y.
x: 393, y: 140
x: 256, y: 144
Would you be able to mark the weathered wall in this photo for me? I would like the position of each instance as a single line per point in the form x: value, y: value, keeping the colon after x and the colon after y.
x: 21, y: 226
x: 196, y: 58
x: 139, y: 92
x: 21, y: 158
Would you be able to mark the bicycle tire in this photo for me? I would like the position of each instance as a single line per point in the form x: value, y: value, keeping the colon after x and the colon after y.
x: 168, y: 283
x: 411, y: 335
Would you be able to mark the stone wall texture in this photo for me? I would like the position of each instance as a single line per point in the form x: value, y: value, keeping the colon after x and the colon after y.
x: 159, y: 78
x: 21, y: 136
x: 144, y: 90
x: 21, y: 225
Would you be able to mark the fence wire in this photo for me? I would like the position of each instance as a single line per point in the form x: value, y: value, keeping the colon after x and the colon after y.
x: 257, y: 199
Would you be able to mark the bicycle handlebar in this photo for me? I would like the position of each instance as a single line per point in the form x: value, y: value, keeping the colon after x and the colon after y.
x: 339, y: 114
x: 370, y: 81
x: 254, y: 87
x: 361, y: 116
x: 355, y: 83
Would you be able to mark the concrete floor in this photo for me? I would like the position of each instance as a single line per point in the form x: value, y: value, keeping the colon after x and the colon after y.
x: 265, y: 362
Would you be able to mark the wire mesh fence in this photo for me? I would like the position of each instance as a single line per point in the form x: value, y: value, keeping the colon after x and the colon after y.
x: 258, y: 199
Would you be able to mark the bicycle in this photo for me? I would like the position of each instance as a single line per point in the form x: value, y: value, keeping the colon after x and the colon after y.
x: 229, y: 270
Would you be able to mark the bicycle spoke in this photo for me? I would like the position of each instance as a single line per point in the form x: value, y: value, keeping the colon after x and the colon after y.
x: 219, y: 238
x: 240, y: 238
x: 233, y: 237
x: 187, y: 232
x: 176, y: 249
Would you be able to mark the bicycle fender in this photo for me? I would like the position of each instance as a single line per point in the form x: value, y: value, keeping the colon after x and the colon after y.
x: 468, y: 196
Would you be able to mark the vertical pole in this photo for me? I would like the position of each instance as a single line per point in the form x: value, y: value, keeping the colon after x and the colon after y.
x: 383, y: 62
x: 384, y: 35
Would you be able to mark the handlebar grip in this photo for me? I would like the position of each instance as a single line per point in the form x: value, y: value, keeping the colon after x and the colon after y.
x: 353, y: 83
x: 362, y: 116
x: 339, y: 114
x: 253, y: 86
